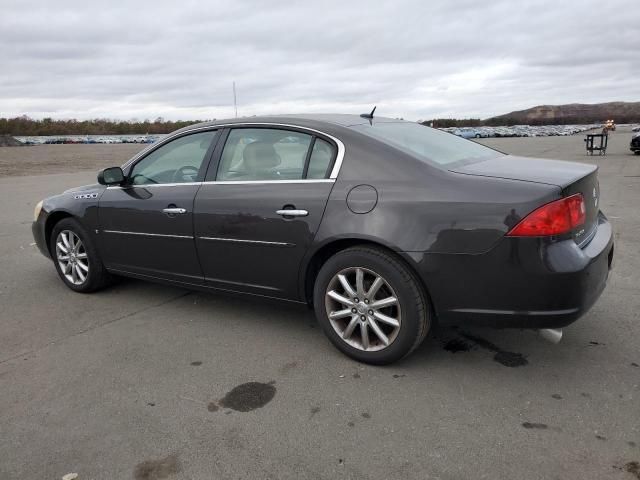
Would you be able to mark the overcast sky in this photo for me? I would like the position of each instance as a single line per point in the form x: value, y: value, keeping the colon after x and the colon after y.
x: 413, y: 59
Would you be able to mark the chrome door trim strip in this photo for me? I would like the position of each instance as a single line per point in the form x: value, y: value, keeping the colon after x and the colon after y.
x: 148, y: 234
x: 241, y: 240
x: 257, y: 182
x: 152, y: 185
x: 226, y: 182
x: 334, y: 171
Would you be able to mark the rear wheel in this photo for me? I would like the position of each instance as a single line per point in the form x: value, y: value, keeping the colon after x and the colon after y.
x: 370, y: 305
x: 76, y: 257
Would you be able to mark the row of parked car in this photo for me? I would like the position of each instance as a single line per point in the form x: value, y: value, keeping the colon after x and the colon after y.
x: 88, y: 139
x: 520, y: 131
x: 465, y: 132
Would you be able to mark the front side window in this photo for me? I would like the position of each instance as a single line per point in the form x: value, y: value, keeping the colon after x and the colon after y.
x: 263, y: 154
x: 178, y: 161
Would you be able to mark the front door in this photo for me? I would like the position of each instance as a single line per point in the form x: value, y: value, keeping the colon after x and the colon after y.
x: 258, y: 216
x: 146, y: 225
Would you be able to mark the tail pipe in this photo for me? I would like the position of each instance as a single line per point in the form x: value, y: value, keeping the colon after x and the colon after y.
x: 553, y: 335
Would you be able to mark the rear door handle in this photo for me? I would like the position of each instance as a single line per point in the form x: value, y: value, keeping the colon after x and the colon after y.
x: 292, y: 213
x: 174, y: 210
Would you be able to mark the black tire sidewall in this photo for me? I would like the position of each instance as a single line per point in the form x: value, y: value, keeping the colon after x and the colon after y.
x: 97, y: 275
x: 412, y: 303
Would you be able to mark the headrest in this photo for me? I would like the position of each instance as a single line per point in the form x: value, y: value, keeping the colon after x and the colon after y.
x: 260, y: 155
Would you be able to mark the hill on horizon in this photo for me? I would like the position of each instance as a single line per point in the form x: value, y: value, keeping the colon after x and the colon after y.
x: 572, y: 113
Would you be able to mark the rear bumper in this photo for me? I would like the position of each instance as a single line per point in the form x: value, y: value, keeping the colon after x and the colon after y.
x: 521, y: 283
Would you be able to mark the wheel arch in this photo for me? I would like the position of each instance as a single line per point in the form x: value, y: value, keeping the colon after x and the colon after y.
x: 326, y: 251
x: 52, y: 219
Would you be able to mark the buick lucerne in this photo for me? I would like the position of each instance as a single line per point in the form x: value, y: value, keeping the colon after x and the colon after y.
x: 383, y: 226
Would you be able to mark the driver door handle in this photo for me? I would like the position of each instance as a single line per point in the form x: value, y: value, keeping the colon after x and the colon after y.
x: 292, y: 213
x: 174, y: 210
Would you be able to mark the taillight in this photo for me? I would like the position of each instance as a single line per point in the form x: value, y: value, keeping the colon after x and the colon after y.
x: 555, y: 218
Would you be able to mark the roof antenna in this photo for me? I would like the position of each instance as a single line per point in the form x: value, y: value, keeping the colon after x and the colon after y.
x: 368, y: 115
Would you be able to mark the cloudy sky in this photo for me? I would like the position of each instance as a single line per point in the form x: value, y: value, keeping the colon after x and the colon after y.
x: 413, y: 59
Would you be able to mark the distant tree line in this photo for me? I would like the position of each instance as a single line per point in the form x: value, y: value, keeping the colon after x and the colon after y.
x: 25, y: 126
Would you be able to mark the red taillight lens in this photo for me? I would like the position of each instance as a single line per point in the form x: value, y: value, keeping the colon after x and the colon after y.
x: 555, y: 218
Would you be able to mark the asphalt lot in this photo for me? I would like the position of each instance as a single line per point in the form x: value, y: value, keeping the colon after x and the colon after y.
x: 137, y: 381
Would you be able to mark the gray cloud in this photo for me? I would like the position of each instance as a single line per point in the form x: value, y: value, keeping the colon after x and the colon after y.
x: 414, y: 59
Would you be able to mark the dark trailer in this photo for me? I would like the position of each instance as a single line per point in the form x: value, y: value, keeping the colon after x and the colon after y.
x: 597, y: 142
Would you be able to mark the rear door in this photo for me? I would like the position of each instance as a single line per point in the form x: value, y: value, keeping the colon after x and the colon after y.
x: 146, y: 226
x: 258, y: 213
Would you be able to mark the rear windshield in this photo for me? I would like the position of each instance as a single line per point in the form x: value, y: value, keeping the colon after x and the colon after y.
x: 428, y: 144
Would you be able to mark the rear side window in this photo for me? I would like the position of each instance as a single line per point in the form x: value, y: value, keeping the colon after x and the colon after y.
x: 321, y: 157
x: 263, y: 154
x: 255, y: 154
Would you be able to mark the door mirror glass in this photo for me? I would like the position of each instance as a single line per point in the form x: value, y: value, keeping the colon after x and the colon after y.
x: 111, y: 176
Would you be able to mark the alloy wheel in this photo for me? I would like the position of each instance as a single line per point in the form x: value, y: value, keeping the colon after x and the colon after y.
x: 363, y: 309
x: 72, y: 257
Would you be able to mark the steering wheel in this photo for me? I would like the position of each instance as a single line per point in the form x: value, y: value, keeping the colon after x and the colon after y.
x: 182, y: 172
x: 143, y: 180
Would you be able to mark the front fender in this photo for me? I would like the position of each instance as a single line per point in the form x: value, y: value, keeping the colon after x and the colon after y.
x: 80, y: 203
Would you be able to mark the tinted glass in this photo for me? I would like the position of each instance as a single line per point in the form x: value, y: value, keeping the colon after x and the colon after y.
x: 178, y: 161
x: 263, y: 154
x: 320, y: 161
x: 427, y: 143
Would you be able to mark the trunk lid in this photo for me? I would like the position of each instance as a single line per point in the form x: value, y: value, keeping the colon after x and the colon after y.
x: 570, y: 177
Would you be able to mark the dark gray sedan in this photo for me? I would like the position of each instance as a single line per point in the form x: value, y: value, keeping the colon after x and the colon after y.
x: 383, y: 226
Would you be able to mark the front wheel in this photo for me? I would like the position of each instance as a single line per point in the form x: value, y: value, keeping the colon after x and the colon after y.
x: 76, y: 258
x: 370, y: 305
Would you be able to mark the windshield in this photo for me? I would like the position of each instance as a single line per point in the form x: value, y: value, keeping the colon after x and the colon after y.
x: 428, y: 144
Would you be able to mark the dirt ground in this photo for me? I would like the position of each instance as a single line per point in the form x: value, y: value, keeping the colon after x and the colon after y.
x: 44, y: 159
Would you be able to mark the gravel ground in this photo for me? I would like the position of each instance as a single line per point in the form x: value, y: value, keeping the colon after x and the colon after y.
x: 146, y: 381
x: 44, y: 159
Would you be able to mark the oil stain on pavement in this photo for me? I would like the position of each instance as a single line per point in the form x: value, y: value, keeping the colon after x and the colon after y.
x: 632, y: 467
x: 538, y: 426
x: 246, y: 397
x: 508, y: 359
x: 157, y: 469
x: 456, y: 345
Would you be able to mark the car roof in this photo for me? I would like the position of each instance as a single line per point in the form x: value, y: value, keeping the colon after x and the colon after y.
x: 315, y: 120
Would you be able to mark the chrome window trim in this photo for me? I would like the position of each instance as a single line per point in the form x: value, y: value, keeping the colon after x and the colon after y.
x: 152, y: 185
x: 257, y: 182
x: 148, y: 234
x: 332, y: 176
x: 240, y: 240
x: 225, y: 182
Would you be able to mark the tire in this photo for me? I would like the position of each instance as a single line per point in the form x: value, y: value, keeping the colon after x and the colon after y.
x: 346, y: 329
x: 95, y: 275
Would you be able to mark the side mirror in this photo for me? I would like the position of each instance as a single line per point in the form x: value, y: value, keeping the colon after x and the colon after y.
x: 111, y: 176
